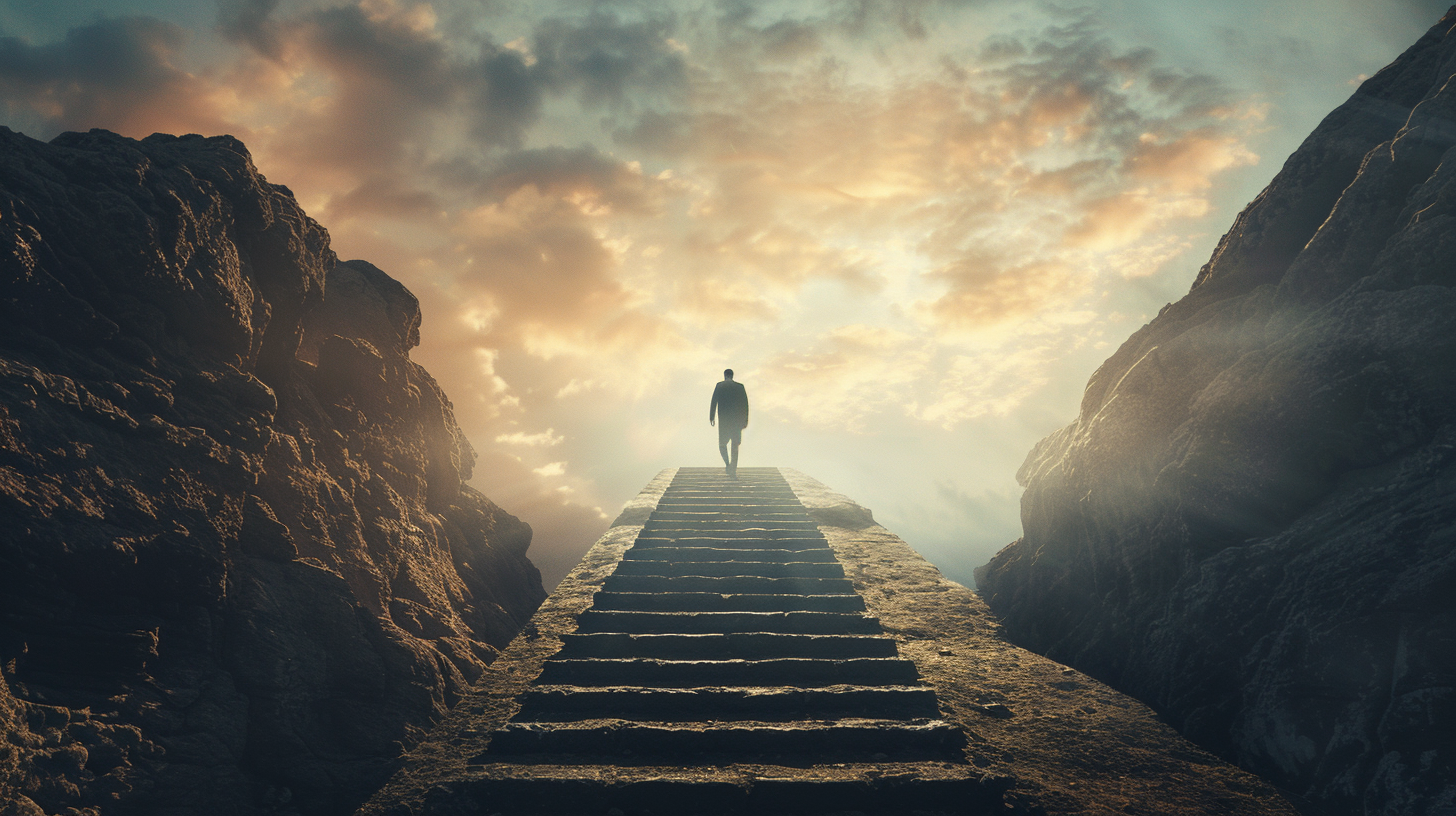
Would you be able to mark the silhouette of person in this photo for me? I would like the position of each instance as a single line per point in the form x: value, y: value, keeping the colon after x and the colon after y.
x: 730, y: 403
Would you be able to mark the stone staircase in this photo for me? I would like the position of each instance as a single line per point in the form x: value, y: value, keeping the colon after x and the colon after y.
x: 727, y: 665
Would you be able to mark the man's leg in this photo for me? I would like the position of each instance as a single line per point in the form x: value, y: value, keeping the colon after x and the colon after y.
x: 723, y: 438
x: 733, y: 465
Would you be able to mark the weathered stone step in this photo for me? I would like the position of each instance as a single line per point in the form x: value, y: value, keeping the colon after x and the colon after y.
x: 736, y: 646
x: 794, y: 535
x: 841, y: 740
x: 754, y: 569
x: 714, y: 602
x: 684, y: 504
x: 885, y: 789
x: 822, y: 555
x: 721, y: 482
x: 655, y: 526
x: 730, y: 584
x: 805, y: 542
x: 688, y: 483
x: 721, y: 498
x: 667, y: 623
x: 745, y: 476
x: 769, y: 521
x: 795, y: 672
x: 727, y: 703
x: 747, y: 512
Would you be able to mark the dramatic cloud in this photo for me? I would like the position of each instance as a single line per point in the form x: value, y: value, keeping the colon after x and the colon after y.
x: 118, y: 73
x: 913, y: 226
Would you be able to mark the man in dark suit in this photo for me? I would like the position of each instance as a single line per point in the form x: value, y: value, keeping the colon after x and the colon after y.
x: 730, y: 404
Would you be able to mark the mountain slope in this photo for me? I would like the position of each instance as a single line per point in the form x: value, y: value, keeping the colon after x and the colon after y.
x: 241, y: 570
x: 1252, y: 523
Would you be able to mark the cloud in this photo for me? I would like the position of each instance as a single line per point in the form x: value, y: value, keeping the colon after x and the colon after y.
x: 847, y: 377
x: 1125, y: 218
x: 116, y: 73
x: 986, y: 290
x: 385, y: 195
x: 1187, y: 163
x: 606, y: 59
x: 538, y: 258
x: 391, y: 75
x: 885, y: 217
x: 583, y: 176
x: 981, y: 384
x: 789, y: 40
x: 546, y: 438
x: 247, y: 21
x: 720, y: 301
x: 506, y: 95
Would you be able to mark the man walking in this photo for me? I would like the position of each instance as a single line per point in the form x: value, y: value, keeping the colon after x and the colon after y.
x: 730, y: 404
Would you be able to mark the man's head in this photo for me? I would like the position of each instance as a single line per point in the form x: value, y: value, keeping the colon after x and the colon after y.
x: 727, y: 373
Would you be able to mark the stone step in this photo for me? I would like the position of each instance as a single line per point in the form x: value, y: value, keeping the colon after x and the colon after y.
x: 745, y: 475
x: 807, y: 542
x: 794, y: 535
x: 716, y: 504
x: 714, y: 602
x: 719, y: 513
x: 726, y: 703
x: 882, y: 788
x: 720, y: 498
x: 718, y: 482
x: 738, y: 646
x: 700, y: 527
x: 726, y: 666
x: 841, y: 740
x: 774, y: 520
x: 667, y: 623
x: 729, y: 584
x: 822, y: 555
x: 752, y: 569
x: 793, y: 672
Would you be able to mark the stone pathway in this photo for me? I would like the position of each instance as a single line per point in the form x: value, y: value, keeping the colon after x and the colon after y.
x: 728, y: 636
x: 763, y: 646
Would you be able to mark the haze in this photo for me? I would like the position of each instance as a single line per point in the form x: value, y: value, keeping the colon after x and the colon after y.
x: 913, y: 229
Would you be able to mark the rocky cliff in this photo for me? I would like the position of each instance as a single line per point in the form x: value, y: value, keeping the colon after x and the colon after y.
x: 240, y: 570
x: 1252, y: 522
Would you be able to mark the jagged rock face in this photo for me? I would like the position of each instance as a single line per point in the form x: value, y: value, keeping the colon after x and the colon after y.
x: 1252, y: 522
x: 240, y: 570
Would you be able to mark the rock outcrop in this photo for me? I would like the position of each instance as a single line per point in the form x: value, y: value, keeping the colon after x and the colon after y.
x: 240, y: 570
x: 1251, y: 525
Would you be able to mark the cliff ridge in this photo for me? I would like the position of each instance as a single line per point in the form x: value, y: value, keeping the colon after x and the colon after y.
x: 242, y: 570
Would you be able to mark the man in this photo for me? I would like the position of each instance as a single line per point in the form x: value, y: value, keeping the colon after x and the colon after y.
x: 730, y: 404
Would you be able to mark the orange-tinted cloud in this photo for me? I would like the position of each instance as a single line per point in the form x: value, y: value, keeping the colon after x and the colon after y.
x: 879, y: 221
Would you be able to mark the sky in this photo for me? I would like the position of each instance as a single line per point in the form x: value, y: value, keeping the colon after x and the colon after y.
x: 913, y: 229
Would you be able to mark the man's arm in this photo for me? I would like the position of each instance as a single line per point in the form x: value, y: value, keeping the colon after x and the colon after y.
x: 713, y: 406
x: 745, y: 407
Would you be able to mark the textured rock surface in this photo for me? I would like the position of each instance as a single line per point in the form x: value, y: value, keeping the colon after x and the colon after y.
x: 1252, y: 523
x: 240, y: 571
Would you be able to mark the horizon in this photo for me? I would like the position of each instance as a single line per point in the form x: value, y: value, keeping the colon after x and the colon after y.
x: 602, y: 208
